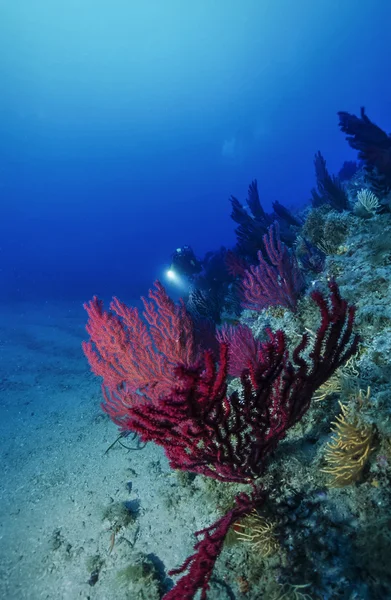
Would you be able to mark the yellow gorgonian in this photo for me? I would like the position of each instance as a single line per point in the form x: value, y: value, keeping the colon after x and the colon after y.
x: 259, y: 532
x: 331, y: 386
x: 367, y: 201
x: 349, y: 449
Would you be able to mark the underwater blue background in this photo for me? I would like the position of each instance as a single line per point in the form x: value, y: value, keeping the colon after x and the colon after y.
x: 125, y: 126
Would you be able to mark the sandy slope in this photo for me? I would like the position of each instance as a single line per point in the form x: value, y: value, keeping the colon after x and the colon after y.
x: 59, y: 490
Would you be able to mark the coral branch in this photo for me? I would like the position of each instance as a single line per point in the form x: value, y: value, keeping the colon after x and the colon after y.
x: 185, y: 407
x: 230, y: 437
x: 133, y: 359
x: 199, y: 566
x: 374, y: 149
x: 243, y: 347
x: 277, y: 282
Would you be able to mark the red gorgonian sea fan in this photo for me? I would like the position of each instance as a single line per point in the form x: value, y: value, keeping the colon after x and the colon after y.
x: 180, y: 401
x: 155, y: 385
x: 136, y: 357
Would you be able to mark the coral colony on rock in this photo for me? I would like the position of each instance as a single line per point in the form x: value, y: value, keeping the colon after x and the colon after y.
x: 272, y: 380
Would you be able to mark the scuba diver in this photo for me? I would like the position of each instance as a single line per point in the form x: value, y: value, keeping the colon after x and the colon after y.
x: 185, y: 263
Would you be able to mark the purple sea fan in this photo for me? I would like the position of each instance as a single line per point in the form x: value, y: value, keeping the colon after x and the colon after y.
x: 278, y: 282
x: 244, y: 349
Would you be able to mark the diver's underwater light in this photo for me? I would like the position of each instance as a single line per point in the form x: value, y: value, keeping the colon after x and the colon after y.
x: 175, y: 279
x: 172, y: 276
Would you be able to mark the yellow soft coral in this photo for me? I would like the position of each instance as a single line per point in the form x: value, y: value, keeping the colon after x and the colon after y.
x: 348, y: 452
x: 259, y: 531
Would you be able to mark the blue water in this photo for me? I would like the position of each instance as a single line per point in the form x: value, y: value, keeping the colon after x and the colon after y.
x: 125, y: 126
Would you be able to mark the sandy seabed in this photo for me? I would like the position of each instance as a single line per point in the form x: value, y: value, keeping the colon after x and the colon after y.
x: 61, y: 535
